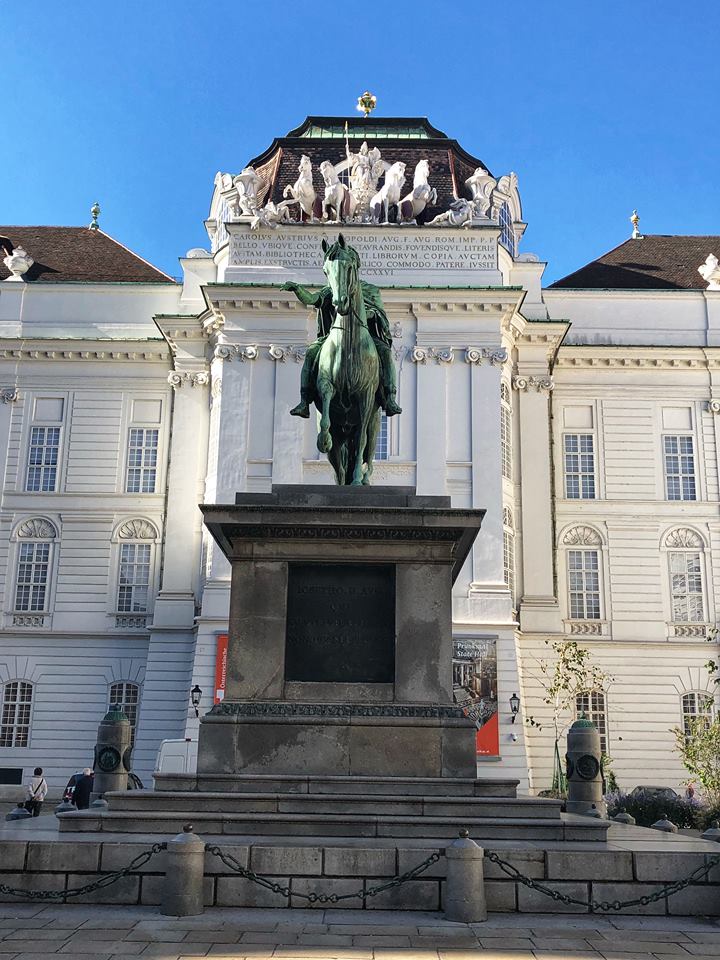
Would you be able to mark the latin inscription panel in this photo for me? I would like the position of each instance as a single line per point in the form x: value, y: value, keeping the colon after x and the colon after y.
x: 340, y: 623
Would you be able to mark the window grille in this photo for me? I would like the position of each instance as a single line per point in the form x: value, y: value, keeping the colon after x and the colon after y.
x: 579, y: 457
x: 584, y: 584
x: 592, y: 704
x: 32, y: 576
x: 43, y: 459
x: 142, y: 460
x: 695, y: 706
x: 686, y: 587
x: 381, y: 442
x: 16, y: 708
x: 134, y: 581
x: 679, y: 467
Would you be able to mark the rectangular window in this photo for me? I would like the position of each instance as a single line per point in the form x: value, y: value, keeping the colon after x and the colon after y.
x: 679, y: 467
x: 579, y: 455
x: 32, y: 576
x: 509, y: 560
x: 381, y: 442
x: 43, y: 459
x: 15, y: 720
x: 593, y: 706
x: 584, y: 584
x: 134, y: 578
x: 506, y: 442
x: 686, y: 588
x: 142, y: 460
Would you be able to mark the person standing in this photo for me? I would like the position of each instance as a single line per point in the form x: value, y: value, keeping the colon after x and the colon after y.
x: 83, y: 789
x: 36, y: 793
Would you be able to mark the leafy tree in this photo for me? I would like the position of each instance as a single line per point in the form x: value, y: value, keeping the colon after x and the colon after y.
x: 699, y: 749
x: 569, y: 673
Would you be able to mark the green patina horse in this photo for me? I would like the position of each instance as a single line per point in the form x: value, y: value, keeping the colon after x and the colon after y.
x: 348, y: 373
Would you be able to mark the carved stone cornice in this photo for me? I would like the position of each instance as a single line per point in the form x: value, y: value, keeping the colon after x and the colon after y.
x: 495, y: 355
x: 9, y: 394
x: 177, y: 379
x: 541, y: 384
x: 236, y: 351
x: 62, y: 353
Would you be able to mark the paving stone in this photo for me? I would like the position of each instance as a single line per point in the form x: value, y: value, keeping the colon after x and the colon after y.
x: 638, y: 945
x: 508, y: 943
x: 43, y: 933
x: 699, y: 949
x: 365, y: 940
x: 213, y: 936
x: 532, y: 901
x: 172, y: 949
x: 87, y: 944
x: 566, y: 955
x: 30, y: 945
x: 295, y: 861
x: 271, y: 937
x: 161, y: 935
x: 239, y: 892
x: 647, y: 935
x: 318, y: 953
x: 325, y: 939
x: 630, y: 891
x: 560, y: 943
x: 44, y: 956
x: 703, y: 936
x: 577, y: 865
x: 360, y: 862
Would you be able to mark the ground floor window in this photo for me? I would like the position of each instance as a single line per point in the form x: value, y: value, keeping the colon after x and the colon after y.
x: 16, y: 709
x: 592, y: 705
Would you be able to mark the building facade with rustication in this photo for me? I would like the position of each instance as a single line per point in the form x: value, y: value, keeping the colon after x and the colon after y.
x: 583, y: 417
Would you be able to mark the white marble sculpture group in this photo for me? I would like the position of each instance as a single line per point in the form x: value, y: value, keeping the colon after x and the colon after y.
x: 351, y: 193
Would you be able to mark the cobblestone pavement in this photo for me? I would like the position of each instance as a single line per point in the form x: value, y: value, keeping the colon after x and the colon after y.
x: 31, y: 932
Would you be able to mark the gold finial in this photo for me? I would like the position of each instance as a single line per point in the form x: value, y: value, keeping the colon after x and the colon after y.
x: 366, y: 103
x: 95, y: 213
x: 635, y: 221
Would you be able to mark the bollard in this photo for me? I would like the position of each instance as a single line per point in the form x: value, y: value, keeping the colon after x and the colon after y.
x: 664, y: 825
x: 19, y: 813
x: 465, y: 887
x: 584, y: 769
x: 113, y: 754
x: 624, y: 817
x: 712, y: 832
x: 65, y: 807
x: 184, y: 875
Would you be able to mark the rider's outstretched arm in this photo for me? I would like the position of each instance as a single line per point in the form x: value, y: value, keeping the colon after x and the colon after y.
x: 304, y: 295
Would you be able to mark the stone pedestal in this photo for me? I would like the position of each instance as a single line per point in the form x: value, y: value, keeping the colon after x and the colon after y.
x: 340, y: 647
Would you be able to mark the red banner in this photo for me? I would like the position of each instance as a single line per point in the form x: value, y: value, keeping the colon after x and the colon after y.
x: 221, y: 655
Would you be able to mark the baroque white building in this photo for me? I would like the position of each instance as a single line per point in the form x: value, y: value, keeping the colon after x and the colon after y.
x: 583, y: 417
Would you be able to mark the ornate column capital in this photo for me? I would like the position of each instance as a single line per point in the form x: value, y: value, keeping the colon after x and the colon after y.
x: 438, y: 354
x: 234, y: 351
x: 713, y: 406
x: 9, y: 394
x: 281, y: 354
x: 177, y: 379
x: 541, y: 384
x: 495, y: 355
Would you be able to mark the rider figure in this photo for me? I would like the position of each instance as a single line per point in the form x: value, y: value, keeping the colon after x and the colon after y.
x: 379, y: 330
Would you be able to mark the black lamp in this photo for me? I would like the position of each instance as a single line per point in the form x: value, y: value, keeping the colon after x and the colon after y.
x: 514, y: 706
x: 195, y: 697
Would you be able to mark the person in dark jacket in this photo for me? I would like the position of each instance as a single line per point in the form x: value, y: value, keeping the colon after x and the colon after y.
x: 83, y: 789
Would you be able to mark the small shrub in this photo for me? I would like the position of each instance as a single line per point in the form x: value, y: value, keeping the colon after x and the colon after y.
x: 648, y: 808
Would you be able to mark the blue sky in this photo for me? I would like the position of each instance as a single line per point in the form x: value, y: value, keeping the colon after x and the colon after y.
x: 599, y: 108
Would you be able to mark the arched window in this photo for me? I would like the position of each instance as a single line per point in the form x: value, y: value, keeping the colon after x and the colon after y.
x: 509, y: 551
x: 125, y: 695
x: 35, y: 541
x: 137, y: 541
x: 505, y: 431
x: 507, y: 232
x: 583, y: 573
x: 695, y: 706
x: 685, y: 569
x: 16, y: 710
x: 592, y: 705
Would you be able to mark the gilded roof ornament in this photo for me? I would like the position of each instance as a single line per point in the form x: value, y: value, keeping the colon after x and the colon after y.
x: 94, y: 213
x: 366, y: 103
x: 635, y: 221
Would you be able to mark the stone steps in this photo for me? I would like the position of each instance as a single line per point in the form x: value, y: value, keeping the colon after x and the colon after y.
x: 362, y: 786
x: 336, y: 825
x: 148, y: 801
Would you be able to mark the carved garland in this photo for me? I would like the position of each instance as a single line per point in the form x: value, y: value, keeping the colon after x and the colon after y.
x: 684, y: 538
x: 137, y: 530
x: 582, y: 536
x: 36, y: 529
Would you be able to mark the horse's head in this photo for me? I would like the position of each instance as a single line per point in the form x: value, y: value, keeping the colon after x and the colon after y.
x: 328, y: 173
x: 341, y: 269
x: 422, y: 171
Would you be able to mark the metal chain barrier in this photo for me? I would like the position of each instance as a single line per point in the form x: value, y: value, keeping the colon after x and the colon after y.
x: 229, y: 860
x: 606, y: 905
x: 105, y: 881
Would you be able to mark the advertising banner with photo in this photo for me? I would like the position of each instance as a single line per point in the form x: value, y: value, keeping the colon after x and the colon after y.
x: 475, y: 688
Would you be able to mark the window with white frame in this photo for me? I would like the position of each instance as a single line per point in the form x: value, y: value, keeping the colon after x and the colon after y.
x: 134, y: 579
x: 697, y: 705
x: 505, y: 431
x: 679, y: 464
x: 126, y: 696
x: 584, y: 584
x: 508, y: 551
x: 142, y: 459
x: 579, y: 462
x: 381, y: 441
x: 43, y: 457
x: 507, y: 231
x: 35, y: 538
x: 15, y: 717
x: 592, y: 706
x: 686, y: 587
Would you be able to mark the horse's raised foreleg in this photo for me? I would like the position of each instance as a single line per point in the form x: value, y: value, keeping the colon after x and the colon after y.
x: 326, y: 390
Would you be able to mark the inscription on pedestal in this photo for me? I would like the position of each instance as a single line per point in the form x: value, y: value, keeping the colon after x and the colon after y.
x: 340, y: 623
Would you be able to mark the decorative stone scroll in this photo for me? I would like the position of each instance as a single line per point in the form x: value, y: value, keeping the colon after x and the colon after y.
x: 235, y: 351
x: 177, y: 379
x: 684, y: 538
x: 495, y: 355
x: 713, y: 406
x: 438, y: 354
x: 582, y: 536
x: 36, y: 529
x: 541, y: 384
x: 137, y: 530
x: 9, y: 394
x: 281, y: 354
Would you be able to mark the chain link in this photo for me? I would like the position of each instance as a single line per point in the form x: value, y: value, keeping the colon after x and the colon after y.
x: 605, y: 906
x: 105, y: 881
x: 229, y: 860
